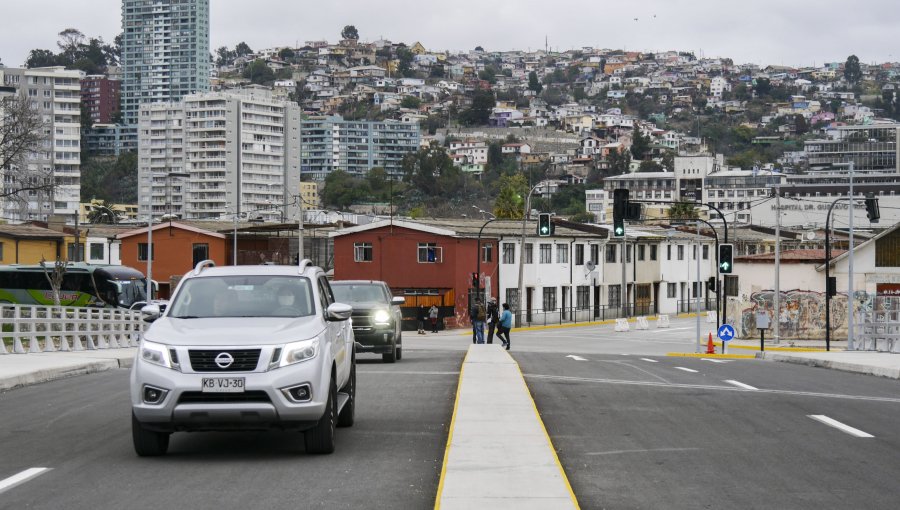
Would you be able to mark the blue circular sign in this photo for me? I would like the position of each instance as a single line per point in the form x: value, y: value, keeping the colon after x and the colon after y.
x: 726, y: 332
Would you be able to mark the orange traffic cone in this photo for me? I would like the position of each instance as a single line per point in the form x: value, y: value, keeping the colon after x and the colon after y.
x: 710, y: 347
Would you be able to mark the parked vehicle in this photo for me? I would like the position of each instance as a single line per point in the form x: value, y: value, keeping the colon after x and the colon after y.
x: 245, y: 348
x: 376, y: 316
x: 97, y: 285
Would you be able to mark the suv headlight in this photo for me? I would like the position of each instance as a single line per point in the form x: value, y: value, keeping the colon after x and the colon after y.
x: 382, y: 317
x: 296, y: 352
x: 157, y: 354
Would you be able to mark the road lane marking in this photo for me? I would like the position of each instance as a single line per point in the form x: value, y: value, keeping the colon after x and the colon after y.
x: 740, y: 384
x: 402, y: 372
x: 654, y: 450
x: 838, y: 425
x: 714, y: 360
x: 709, y: 387
x: 22, y: 477
x: 576, y: 358
x: 650, y: 360
x: 686, y: 369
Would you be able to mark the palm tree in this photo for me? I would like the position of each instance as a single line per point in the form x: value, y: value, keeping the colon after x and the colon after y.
x: 683, y: 210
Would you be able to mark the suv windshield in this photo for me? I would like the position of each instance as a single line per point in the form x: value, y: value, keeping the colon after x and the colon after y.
x: 243, y: 296
x: 352, y: 293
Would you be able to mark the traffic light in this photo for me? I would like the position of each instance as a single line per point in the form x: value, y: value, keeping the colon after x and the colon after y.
x: 831, y: 286
x: 872, y: 210
x: 726, y: 258
x: 620, y: 211
x: 476, y: 281
x: 711, y: 284
x: 545, y: 228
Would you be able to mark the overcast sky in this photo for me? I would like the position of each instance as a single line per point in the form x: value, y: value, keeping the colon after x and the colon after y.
x: 788, y: 32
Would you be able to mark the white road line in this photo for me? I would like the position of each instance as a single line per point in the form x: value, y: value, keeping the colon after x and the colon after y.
x: 838, y: 425
x: 22, y: 477
x: 686, y: 370
x: 740, y: 384
x: 576, y: 358
x: 714, y: 360
x: 650, y: 360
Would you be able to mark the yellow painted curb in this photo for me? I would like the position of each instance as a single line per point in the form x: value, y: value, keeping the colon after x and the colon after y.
x: 769, y: 348
x: 440, y: 491
x: 701, y: 355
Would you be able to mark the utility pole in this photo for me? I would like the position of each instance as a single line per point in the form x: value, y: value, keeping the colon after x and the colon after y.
x: 624, y: 289
x: 850, y: 267
x: 777, y: 332
x: 697, y: 293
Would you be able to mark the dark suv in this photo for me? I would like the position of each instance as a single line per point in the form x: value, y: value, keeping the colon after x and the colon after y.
x: 376, y: 316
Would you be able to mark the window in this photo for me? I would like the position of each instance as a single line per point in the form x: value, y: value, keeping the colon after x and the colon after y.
x: 669, y: 252
x: 694, y: 252
x: 528, y: 254
x: 641, y: 251
x: 694, y: 290
x: 512, y: 299
x: 653, y: 252
x: 1, y: 251
x: 579, y: 254
x: 583, y: 297
x: 487, y: 252
x: 142, y: 251
x: 429, y: 253
x: 705, y: 252
x: 509, y: 253
x: 595, y: 253
x: 200, y: 253
x: 610, y: 253
x: 549, y: 298
x: 546, y: 254
x: 671, y: 290
x: 680, y: 252
x: 96, y: 250
x: 562, y: 253
x: 614, y: 292
x: 362, y: 252
x: 628, y: 253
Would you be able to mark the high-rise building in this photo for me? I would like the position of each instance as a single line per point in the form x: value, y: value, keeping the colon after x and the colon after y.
x: 56, y: 95
x: 165, y: 52
x: 240, y: 148
x: 355, y: 146
x: 100, y: 97
x: 871, y: 147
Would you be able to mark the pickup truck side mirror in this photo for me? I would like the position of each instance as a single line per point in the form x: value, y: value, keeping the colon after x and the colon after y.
x: 338, y: 312
x: 150, y: 313
x: 398, y: 300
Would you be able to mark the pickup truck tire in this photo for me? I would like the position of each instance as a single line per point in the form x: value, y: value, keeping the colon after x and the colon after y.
x: 390, y: 357
x: 320, y: 438
x: 148, y: 443
x: 399, y: 346
x: 348, y: 413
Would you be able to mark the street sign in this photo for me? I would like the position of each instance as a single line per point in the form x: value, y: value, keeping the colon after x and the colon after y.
x: 762, y: 320
x: 726, y: 332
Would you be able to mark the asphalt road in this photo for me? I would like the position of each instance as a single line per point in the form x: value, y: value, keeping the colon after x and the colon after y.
x: 638, y: 431
x: 81, y: 429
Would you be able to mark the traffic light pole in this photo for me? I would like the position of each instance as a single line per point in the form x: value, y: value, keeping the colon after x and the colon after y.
x: 478, y: 257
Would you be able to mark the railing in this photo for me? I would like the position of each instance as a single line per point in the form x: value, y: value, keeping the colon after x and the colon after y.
x: 51, y: 328
x: 575, y: 315
x: 690, y: 305
x: 877, y: 331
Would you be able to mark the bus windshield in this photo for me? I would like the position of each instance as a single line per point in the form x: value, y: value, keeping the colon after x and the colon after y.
x: 128, y: 292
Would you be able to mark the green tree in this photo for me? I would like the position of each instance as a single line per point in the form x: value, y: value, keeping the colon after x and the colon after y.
x: 113, y: 180
x: 494, y: 155
x: 405, y: 58
x: 431, y: 171
x: 482, y: 104
x: 650, y: 166
x: 41, y: 58
x: 224, y: 56
x: 763, y: 87
x: 412, y: 102
x: 852, y: 72
x: 350, y: 32
x: 533, y: 83
x: 258, y: 72
x: 618, y: 162
x: 683, y: 210
x: 242, y: 49
x: 640, y: 144
x: 286, y: 54
x: 510, y: 201
x: 343, y: 190
x: 668, y: 161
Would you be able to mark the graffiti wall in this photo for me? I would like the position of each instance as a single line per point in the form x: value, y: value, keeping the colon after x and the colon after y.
x: 801, y: 315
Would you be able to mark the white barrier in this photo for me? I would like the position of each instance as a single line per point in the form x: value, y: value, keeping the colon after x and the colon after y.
x: 710, y: 316
x: 662, y: 321
x: 642, y: 323
x: 622, y: 325
x: 101, y: 328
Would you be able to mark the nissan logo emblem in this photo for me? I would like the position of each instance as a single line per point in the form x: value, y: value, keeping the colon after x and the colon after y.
x: 224, y: 360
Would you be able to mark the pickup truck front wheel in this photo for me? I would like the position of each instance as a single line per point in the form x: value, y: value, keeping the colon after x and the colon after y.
x: 320, y: 438
x: 148, y: 443
x: 347, y: 414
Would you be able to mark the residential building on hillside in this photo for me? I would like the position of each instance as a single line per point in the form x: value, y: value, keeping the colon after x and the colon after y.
x: 100, y: 97
x: 309, y: 196
x: 106, y: 140
x: 56, y: 94
x: 871, y: 147
x: 332, y: 143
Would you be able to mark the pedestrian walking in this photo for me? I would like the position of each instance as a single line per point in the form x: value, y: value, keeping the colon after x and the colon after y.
x: 433, y: 314
x: 492, y: 318
x: 478, y: 319
x: 505, y: 325
x: 421, y: 314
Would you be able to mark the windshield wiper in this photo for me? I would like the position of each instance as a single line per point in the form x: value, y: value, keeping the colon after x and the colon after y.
x: 186, y: 317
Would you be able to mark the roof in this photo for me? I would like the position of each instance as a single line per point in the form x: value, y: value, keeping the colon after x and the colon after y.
x: 169, y: 224
x: 790, y: 256
x: 26, y: 231
x: 885, y: 232
x: 469, y: 228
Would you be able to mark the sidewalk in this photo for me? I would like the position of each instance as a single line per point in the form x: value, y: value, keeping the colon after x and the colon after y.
x: 882, y: 364
x: 26, y: 369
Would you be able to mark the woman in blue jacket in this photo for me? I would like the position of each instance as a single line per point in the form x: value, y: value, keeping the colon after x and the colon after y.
x: 505, y: 325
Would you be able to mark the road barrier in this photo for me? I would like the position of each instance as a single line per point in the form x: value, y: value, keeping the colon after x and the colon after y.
x: 642, y: 323
x: 622, y: 325
x: 64, y: 328
x: 662, y: 321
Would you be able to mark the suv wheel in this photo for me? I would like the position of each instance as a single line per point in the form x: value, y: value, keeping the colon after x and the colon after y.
x: 320, y: 438
x: 348, y: 413
x: 399, y: 346
x: 390, y: 357
x: 148, y: 443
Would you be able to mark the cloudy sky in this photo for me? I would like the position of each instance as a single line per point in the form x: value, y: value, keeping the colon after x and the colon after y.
x: 789, y: 32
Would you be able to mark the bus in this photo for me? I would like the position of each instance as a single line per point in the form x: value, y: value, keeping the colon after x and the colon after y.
x: 94, y: 285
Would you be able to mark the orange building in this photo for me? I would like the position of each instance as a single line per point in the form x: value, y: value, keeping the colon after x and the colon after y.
x: 177, y: 248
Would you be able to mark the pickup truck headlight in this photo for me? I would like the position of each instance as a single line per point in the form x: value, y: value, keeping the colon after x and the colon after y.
x: 296, y: 352
x: 157, y: 354
x: 382, y: 317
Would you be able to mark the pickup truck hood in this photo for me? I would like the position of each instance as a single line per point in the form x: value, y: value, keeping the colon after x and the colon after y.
x: 369, y: 306
x: 233, y: 331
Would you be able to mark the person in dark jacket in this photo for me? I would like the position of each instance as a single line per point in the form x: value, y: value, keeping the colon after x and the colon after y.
x: 493, y: 316
x: 421, y: 315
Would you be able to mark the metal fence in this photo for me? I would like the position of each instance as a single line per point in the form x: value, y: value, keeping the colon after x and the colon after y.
x: 877, y: 331
x: 690, y: 305
x: 51, y: 328
x: 575, y: 315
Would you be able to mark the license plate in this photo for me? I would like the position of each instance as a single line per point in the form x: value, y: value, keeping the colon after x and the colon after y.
x: 223, y: 385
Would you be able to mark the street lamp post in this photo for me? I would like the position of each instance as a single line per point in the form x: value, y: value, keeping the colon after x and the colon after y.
x: 478, y: 256
x: 150, y: 228
x: 521, y: 291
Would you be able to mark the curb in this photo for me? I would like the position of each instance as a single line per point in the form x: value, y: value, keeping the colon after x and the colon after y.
x: 65, y: 372
x: 890, y: 373
x: 701, y: 355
